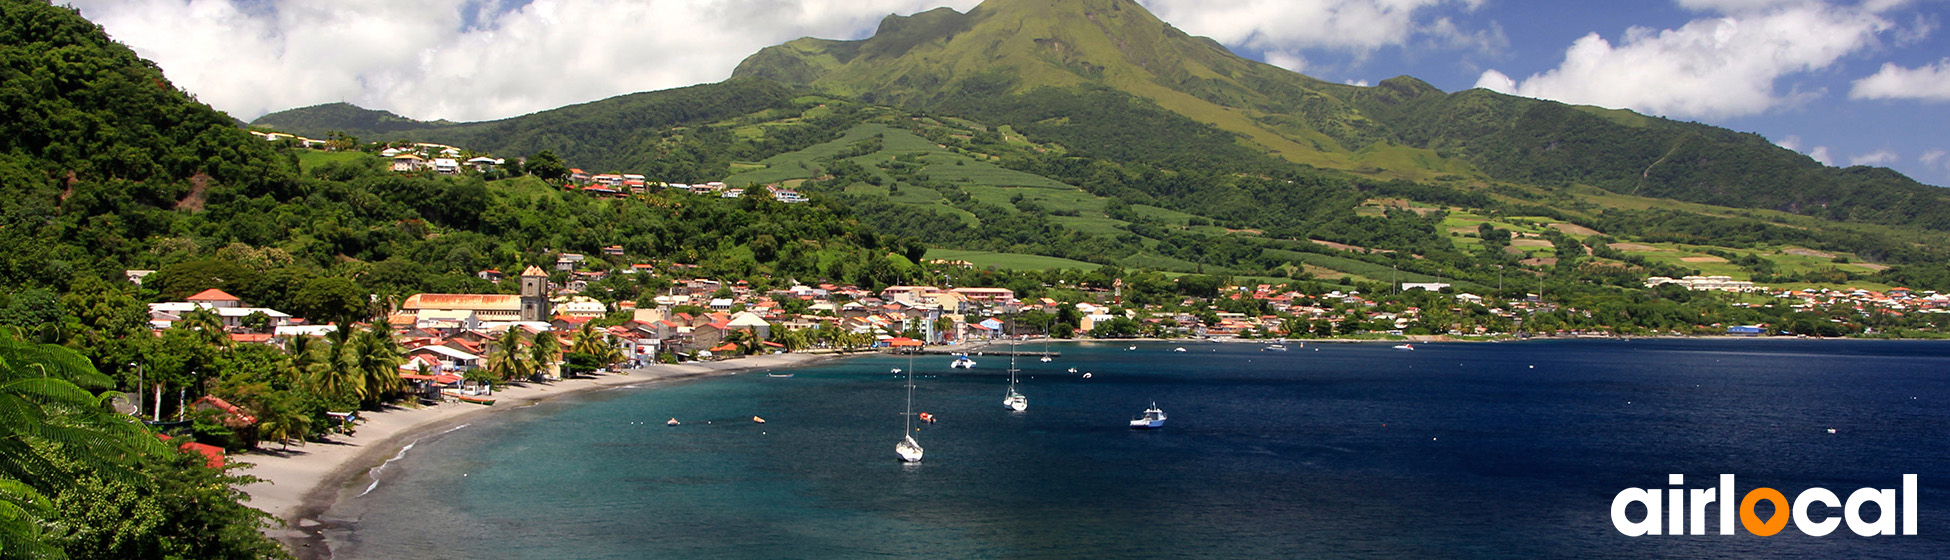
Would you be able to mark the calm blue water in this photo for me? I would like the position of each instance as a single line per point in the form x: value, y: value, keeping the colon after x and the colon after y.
x: 1331, y: 450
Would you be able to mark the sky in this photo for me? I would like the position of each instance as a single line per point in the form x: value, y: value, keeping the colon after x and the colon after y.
x: 1847, y: 82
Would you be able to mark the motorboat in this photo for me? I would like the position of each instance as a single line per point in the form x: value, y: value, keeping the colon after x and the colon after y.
x: 758, y: 420
x: 962, y: 362
x: 1404, y: 347
x: 672, y: 422
x: 927, y: 417
x: 1274, y: 348
x: 1178, y: 349
x: 1073, y: 370
x: 1153, y: 419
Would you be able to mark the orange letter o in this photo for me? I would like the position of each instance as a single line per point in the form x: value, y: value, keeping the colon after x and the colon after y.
x: 1752, y: 522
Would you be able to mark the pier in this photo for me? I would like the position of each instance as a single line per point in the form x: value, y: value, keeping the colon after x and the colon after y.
x: 976, y: 352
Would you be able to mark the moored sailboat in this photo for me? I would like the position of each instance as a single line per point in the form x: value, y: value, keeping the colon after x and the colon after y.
x: 908, y: 449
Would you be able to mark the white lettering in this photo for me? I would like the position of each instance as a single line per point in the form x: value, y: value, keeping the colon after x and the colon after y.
x: 1885, y: 523
x: 1628, y: 496
x: 1801, y: 520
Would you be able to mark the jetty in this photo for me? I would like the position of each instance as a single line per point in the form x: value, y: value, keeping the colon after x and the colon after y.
x: 976, y: 352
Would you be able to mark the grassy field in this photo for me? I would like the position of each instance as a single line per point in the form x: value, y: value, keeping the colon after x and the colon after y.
x: 308, y: 159
x: 1010, y: 261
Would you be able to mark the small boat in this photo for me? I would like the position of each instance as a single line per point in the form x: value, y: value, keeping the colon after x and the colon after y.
x: 779, y: 375
x: 1178, y: 349
x: 1014, y: 401
x: 927, y: 417
x: 1130, y: 348
x: 1046, y: 358
x: 1153, y: 419
x: 962, y: 362
x: 1404, y: 347
x: 672, y: 422
x: 1073, y: 370
x: 908, y: 449
x: 1274, y: 348
x: 758, y: 420
x: 1086, y: 375
x: 475, y: 399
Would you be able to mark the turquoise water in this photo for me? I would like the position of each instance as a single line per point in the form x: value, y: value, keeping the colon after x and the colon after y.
x: 1331, y: 450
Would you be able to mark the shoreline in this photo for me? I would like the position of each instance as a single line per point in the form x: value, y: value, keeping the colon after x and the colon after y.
x: 298, y: 486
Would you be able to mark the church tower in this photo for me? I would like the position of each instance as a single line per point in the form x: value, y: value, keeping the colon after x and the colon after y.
x: 534, y: 295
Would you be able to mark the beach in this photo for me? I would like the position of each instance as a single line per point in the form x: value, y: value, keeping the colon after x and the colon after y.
x: 298, y: 485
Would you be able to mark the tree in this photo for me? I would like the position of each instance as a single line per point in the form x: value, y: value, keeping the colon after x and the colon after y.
x: 330, y: 300
x: 547, y: 166
x: 506, y: 359
x: 545, y: 350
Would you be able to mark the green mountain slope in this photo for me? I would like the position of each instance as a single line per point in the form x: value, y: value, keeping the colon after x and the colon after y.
x: 1107, y: 78
x: 637, y: 132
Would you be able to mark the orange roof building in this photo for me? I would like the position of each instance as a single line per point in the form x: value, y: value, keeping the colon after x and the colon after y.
x: 486, y: 307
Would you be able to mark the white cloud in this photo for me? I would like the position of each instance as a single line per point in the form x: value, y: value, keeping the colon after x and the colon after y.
x: 1712, y: 67
x: 1357, y: 83
x: 1820, y: 153
x: 1287, y: 60
x: 1932, y: 156
x: 1878, y: 157
x: 1288, y: 26
x: 1927, y: 83
x: 423, y: 59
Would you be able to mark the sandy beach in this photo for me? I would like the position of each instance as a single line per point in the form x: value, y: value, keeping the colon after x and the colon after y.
x: 298, y: 485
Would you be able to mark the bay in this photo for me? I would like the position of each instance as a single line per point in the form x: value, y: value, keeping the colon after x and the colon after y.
x: 1506, y: 450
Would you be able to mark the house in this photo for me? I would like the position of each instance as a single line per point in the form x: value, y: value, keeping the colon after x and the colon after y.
x: 408, y: 162
x: 215, y: 298
x: 579, y: 176
x: 230, y: 415
x: 484, y: 163
x: 748, y: 321
x: 569, y: 262
x: 445, y: 166
x: 613, y: 250
x: 445, y: 359
x: 1003, y: 295
x: 136, y: 276
x: 491, y: 275
x: 580, y: 306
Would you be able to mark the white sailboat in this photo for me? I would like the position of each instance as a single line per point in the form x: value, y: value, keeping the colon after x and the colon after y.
x: 1015, y: 401
x: 908, y: 449
x: 1046, y: 358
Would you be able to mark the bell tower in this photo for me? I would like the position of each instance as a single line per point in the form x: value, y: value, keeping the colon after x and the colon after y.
x: 534, y: 295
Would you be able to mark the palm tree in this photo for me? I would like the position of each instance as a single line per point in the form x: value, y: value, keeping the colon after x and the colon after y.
x: 377, y: 359
x: 612, y: 353
x: 743, y: 340
x: 545, y: 351
x: 336, y: 375
x: 587, y: 341
x: 50, y: 424
x: 506, y: 359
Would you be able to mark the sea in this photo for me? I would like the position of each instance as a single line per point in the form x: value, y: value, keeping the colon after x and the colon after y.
x: 1326, y: 450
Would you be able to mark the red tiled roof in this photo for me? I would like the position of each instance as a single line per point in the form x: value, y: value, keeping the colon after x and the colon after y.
x: 213, y: 294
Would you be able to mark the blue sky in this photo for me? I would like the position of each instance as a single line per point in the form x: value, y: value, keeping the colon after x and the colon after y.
x: 1847, y: 82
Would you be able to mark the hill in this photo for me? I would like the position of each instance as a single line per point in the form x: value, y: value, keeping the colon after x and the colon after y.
x: 1107, y: 78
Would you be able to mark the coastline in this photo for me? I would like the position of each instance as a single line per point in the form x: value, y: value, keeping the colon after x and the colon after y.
x: 299, y: 485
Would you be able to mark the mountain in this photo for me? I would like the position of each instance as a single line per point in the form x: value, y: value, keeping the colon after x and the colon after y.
x: 1108, y: 78
x: 321, y: 120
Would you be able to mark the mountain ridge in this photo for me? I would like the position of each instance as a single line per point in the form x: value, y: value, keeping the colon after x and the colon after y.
x: 1106, y: 78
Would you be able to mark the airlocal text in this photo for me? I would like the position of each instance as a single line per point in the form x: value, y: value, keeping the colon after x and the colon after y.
x: 1681, y: 511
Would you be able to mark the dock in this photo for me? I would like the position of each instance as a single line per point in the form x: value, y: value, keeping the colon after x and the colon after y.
x: 977, y: 352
